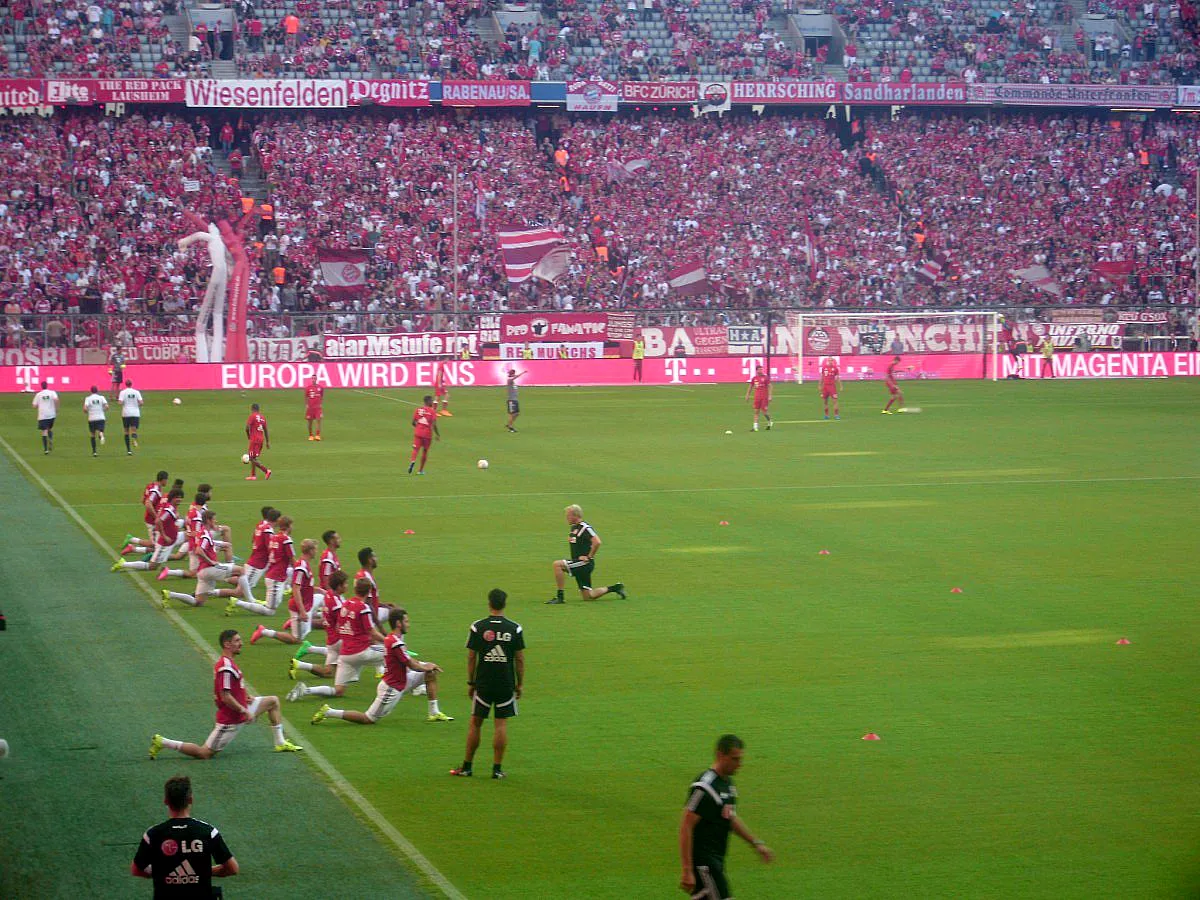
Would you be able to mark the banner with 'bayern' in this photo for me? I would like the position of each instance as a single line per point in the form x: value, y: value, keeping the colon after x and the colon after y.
x: 344, y: 271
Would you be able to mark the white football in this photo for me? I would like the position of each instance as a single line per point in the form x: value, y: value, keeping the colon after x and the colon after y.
x: 3, y: 749
x: 483, y: 464
x: 245, y: 459
x: 177, y: 401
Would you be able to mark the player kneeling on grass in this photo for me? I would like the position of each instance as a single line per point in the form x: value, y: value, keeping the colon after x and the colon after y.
x: 303, y: 603
x: 362, y: 645
x: 210, y: 571
x: 402, y: 675
x: 234, y: 709
x: 335, y: 585
x: 166, y: 536
x: 585, y: 544
x: 279, y: 572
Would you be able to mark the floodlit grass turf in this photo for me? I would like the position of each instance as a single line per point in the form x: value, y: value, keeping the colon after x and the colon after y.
x: 1023, y: 753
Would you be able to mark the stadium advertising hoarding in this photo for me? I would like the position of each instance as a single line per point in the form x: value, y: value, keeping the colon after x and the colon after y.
x: 1099, y: 95
x: 663, y: 371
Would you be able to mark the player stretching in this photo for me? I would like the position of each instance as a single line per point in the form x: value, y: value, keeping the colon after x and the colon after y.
x: 45, y: 402
x: 424, y: 423
x: 441, y: 391
x: 280, y: 557
x: 893, y: 387
x: 210, y: 570
x: 94, y: 405
x: 368, y: 562
x: 256, y: 433
x: 361, y: 645
x: 151, y: 495
x: 166, y: 535
x: 314, y: 396
x: 831, y: 383
x: 334, y: 600
x: 260, y: 548
x: 304, y: 601
x: 584, y: 545
x: 131, y: 414
x: 328, y: 566
x: 514, y: 405
x: 234, y: 709
x: 402, y: 675
x: 760, y: 384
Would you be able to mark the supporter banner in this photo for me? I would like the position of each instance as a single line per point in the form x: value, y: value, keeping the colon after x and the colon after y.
x: 297, y: 349
x: 41, y: 356
x: 1092, y: 314
x: 568, y: 327
x: 1189, y: 95
x: 364, y: 92
x: 665, y: 92
x: 1064, y: 334
x: 920, y: 93
x: 705, y: 340
x: 555, y: 350
x: 89, y: 91
x: 267, y: 93
x: 622, y: 326
x: 1143, y: 315
x: 398, y: 346
x: 592, y: 96
x: 724, y: 369
x: 746, y: 338
x: 22, y: 92
x: 161, y: 348
x: 485, y: 93
x: 766, y: 92
x: 836, y: 340
x: 1103, y: 95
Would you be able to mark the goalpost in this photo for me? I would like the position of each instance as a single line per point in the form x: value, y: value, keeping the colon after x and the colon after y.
x: 962, y: 344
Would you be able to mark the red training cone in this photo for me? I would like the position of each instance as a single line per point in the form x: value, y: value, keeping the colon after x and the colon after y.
x: 822, y: 553
x: 409, y: 531
x: 722, y: 522
x: 1124, y: 641
x: 956, y: 590
x: 871, y: 736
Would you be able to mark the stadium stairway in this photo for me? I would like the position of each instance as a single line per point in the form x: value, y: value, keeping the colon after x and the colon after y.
x: 180, y: 31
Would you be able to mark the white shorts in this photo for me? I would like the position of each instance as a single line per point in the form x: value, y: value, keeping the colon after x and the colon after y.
x: 275, y: 593
x: 150, y: 531
x: 255, y: 575
x: 222, y: 735
x: 207, y: 578
x: 181, y: 538
x: 160, y: 555
x: 350, y: 667
x: 386, y: 696
x: 333, y: 653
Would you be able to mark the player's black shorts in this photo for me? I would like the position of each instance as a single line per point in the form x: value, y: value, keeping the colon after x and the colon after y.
x: 581, y: 572
x: 710, y: 880
x: 95, y: 427
x: 45, y: 424
x: 131, y: 421
x: 484, y: 701
x: 514, y: 407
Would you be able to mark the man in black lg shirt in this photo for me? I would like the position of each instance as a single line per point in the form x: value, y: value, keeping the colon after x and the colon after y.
x: 710, y: 814
x: 183, y: 855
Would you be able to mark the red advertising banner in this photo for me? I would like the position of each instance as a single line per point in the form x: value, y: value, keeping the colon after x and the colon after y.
x: 486, y: 93
x: 521, y: 328
x: 1064, y: 334
x: 398, y: 346
x: 22, y: 92
x: 765, y: 92
x: 1102, y: 95
x: 922, y: 93
x: 91, y: 91
x: 388, y: 93
x: 665, y: 92
x: 668, y: 371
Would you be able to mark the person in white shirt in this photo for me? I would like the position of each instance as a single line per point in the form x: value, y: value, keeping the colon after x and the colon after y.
x: 94, y: 404
x: 131, y: 413
x: 46, y: 404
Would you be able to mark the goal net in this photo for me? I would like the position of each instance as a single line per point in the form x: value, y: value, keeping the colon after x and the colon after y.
x: 930, y: 344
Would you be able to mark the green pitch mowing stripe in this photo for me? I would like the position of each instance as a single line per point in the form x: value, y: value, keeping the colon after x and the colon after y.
x: 88, y: 672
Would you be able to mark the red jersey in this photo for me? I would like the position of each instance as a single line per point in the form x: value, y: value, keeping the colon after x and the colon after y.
x: 313, y: 395
x: 260, y: 547
x: 329, y: 564
x: 151, y: 494
x: 191, y: 522
x: 281, y: 556
x: 228, y: 677
x: 762, y: 384
x: 302, y: 588
x: 166, y: 529
x: 373, y: 597
x: 422, y: 421
x: 829, y: 372
x: 355, y: 623
x: 395, y: 661
x: 333, y: 610
x: 206, y: 551
x: 256, y: 428
x: 891, y: 373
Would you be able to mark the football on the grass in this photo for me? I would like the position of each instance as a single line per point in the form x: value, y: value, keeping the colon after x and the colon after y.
x: 245, y: 459
x: 483, y: 464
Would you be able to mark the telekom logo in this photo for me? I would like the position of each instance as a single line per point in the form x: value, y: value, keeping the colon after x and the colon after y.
x: 27, y: 377
x: 676, y: 369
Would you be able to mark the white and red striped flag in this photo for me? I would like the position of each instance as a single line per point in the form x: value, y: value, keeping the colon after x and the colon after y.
x: 809, y: 248
x: 1040, y: 278
x: 344, y: 271
x: 623, y: 171
x: 690, y: 279
x: 523, y: 249
x: 934, y: 267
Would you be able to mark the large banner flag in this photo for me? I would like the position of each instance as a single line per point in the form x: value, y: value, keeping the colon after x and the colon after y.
x: 524, y: 248
x: 690, y: 279
x: 1116, y: 271
x: 934, y: 267
x: 1040, y: 278
x: 344, y: 271
x: 623, y: 171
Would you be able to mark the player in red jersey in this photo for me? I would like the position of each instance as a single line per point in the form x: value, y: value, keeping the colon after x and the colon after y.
x: 166, y: 534
x: 328, y: 565
x: 260, y: 547
x: 280, y: 557
x: 831, y: 384
x: 893, y: 387
x: 258, y: 436
x: 234, y: 709
x: 402, y: 675
x: 210, y: 570
x: 760, y: 385
x: 368, y: 564
x: 314, y: 396
x: 334, y: 600
x: 424, y: 423
x: 303, y: 603
x: 441, y: 391
x: 151, y: 495
x: 361, y: 645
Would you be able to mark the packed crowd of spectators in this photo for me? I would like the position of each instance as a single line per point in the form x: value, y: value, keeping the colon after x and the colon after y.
x: 90, y: 211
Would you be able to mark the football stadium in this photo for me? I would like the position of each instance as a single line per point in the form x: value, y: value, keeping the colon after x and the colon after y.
x: 599, y: 449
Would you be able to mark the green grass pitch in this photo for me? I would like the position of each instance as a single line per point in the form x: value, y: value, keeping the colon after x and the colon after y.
x: 1023, y: 754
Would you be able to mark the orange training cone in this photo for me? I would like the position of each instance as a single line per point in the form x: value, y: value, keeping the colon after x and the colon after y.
x: 409, y: 531
x: 1124, y: 641
x: 956, y: 590
x: 822, y: 553
x: 871, y: 736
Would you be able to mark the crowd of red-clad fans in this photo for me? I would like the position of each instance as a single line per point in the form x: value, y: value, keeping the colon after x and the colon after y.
x: 89, y: 212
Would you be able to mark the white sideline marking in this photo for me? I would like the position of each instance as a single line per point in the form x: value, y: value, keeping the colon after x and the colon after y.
x: 339, y: 784
x: 846, y: 453
x: 385, y: 397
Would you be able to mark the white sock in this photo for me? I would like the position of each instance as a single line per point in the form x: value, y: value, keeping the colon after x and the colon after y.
x: 321, y: 690
x: 433, y: 708
x: 268, y: 632
x: 244, y: 584
x: 381, y: 614
x: 254, y: 607
x: 139, y: 565
x: 175, y: 573
x: 320, y: 651
x: 172, y: 745
x: 303, y: 666
x: 335, y: 713
x: 183, y: 598
x: 277, y: 731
